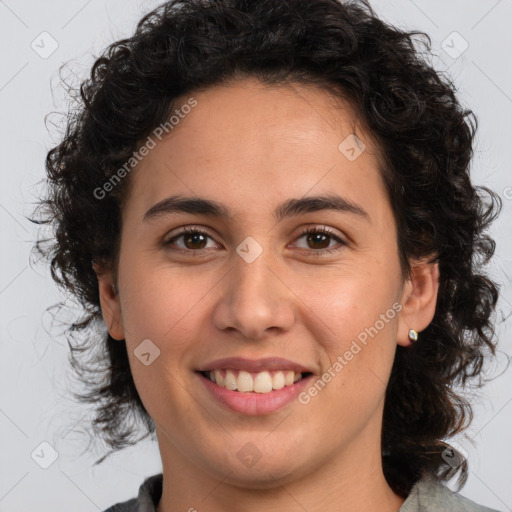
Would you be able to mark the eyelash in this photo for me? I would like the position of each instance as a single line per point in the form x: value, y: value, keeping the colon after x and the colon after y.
x: 307, y: 231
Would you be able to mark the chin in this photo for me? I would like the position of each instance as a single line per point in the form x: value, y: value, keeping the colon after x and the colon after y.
x: 265, y: 477
x: 267, y: 470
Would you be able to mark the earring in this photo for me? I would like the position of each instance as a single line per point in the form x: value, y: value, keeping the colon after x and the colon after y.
x: 413, y: 335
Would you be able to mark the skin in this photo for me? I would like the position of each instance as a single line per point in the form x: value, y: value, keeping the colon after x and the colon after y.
x: 251, y: 147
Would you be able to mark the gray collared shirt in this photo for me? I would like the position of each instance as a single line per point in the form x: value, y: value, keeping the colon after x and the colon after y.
x: 427, y: 495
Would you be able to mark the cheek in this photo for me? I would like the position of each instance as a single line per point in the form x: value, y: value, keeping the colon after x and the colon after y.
x: 359, y: 352
x: 360, y: 311
x: 159, y: 301
x: 353, y: 300
x: 159, y: 306
x: 165, y: 306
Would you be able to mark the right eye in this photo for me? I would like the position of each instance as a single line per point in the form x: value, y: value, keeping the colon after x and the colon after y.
x: 191, y: 237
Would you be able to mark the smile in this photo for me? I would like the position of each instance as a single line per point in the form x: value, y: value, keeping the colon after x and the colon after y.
x: 253, y: 386
x: 253, y: 382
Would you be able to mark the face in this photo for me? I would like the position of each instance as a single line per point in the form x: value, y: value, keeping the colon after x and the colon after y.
x: 248, y: 292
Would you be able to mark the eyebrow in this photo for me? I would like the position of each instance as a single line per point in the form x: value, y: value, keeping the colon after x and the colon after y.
x: 290, y: 208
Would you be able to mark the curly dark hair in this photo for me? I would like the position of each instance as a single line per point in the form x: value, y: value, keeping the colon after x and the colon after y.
x: 425, y: 140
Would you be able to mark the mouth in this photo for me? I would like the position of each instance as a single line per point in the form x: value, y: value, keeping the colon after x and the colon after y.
x: 254, y: 387
x: 263, y: 382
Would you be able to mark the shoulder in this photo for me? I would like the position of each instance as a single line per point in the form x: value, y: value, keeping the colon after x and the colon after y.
x: 147, y: 500
x: 429, y: 495
x: 125, y: 506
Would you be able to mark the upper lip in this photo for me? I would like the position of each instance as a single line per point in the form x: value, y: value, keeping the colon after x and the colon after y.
x: 255, y: 365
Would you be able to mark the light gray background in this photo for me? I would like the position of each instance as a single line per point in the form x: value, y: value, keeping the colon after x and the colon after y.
x: 35, y: 403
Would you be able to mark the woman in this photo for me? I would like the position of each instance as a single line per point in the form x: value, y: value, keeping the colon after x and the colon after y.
x: 269, y: 205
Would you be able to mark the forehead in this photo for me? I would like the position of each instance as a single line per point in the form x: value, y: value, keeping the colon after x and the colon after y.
x: 249, y: 141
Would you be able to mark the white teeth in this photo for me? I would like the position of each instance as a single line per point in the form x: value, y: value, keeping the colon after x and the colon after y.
x: 262, y: 382
x: 230, y: 380
x: 219, y: 379
x: 278, y: 380
x: 244, y: 382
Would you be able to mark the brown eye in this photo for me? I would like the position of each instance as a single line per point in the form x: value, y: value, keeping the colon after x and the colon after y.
x: 193, y: 239
x: 319, y: 239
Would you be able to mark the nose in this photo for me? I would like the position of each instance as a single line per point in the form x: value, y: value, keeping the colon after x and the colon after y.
x: 255, y: 299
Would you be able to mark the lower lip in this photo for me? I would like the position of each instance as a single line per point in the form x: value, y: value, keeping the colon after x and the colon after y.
x: 254, y: 404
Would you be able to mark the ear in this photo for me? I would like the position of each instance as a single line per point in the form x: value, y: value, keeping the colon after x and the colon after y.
x: 109, y: 301
x: 419, y: 299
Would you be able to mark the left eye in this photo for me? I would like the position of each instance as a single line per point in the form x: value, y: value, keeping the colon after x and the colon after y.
x: 190, y: 237
x: 319, y: 236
